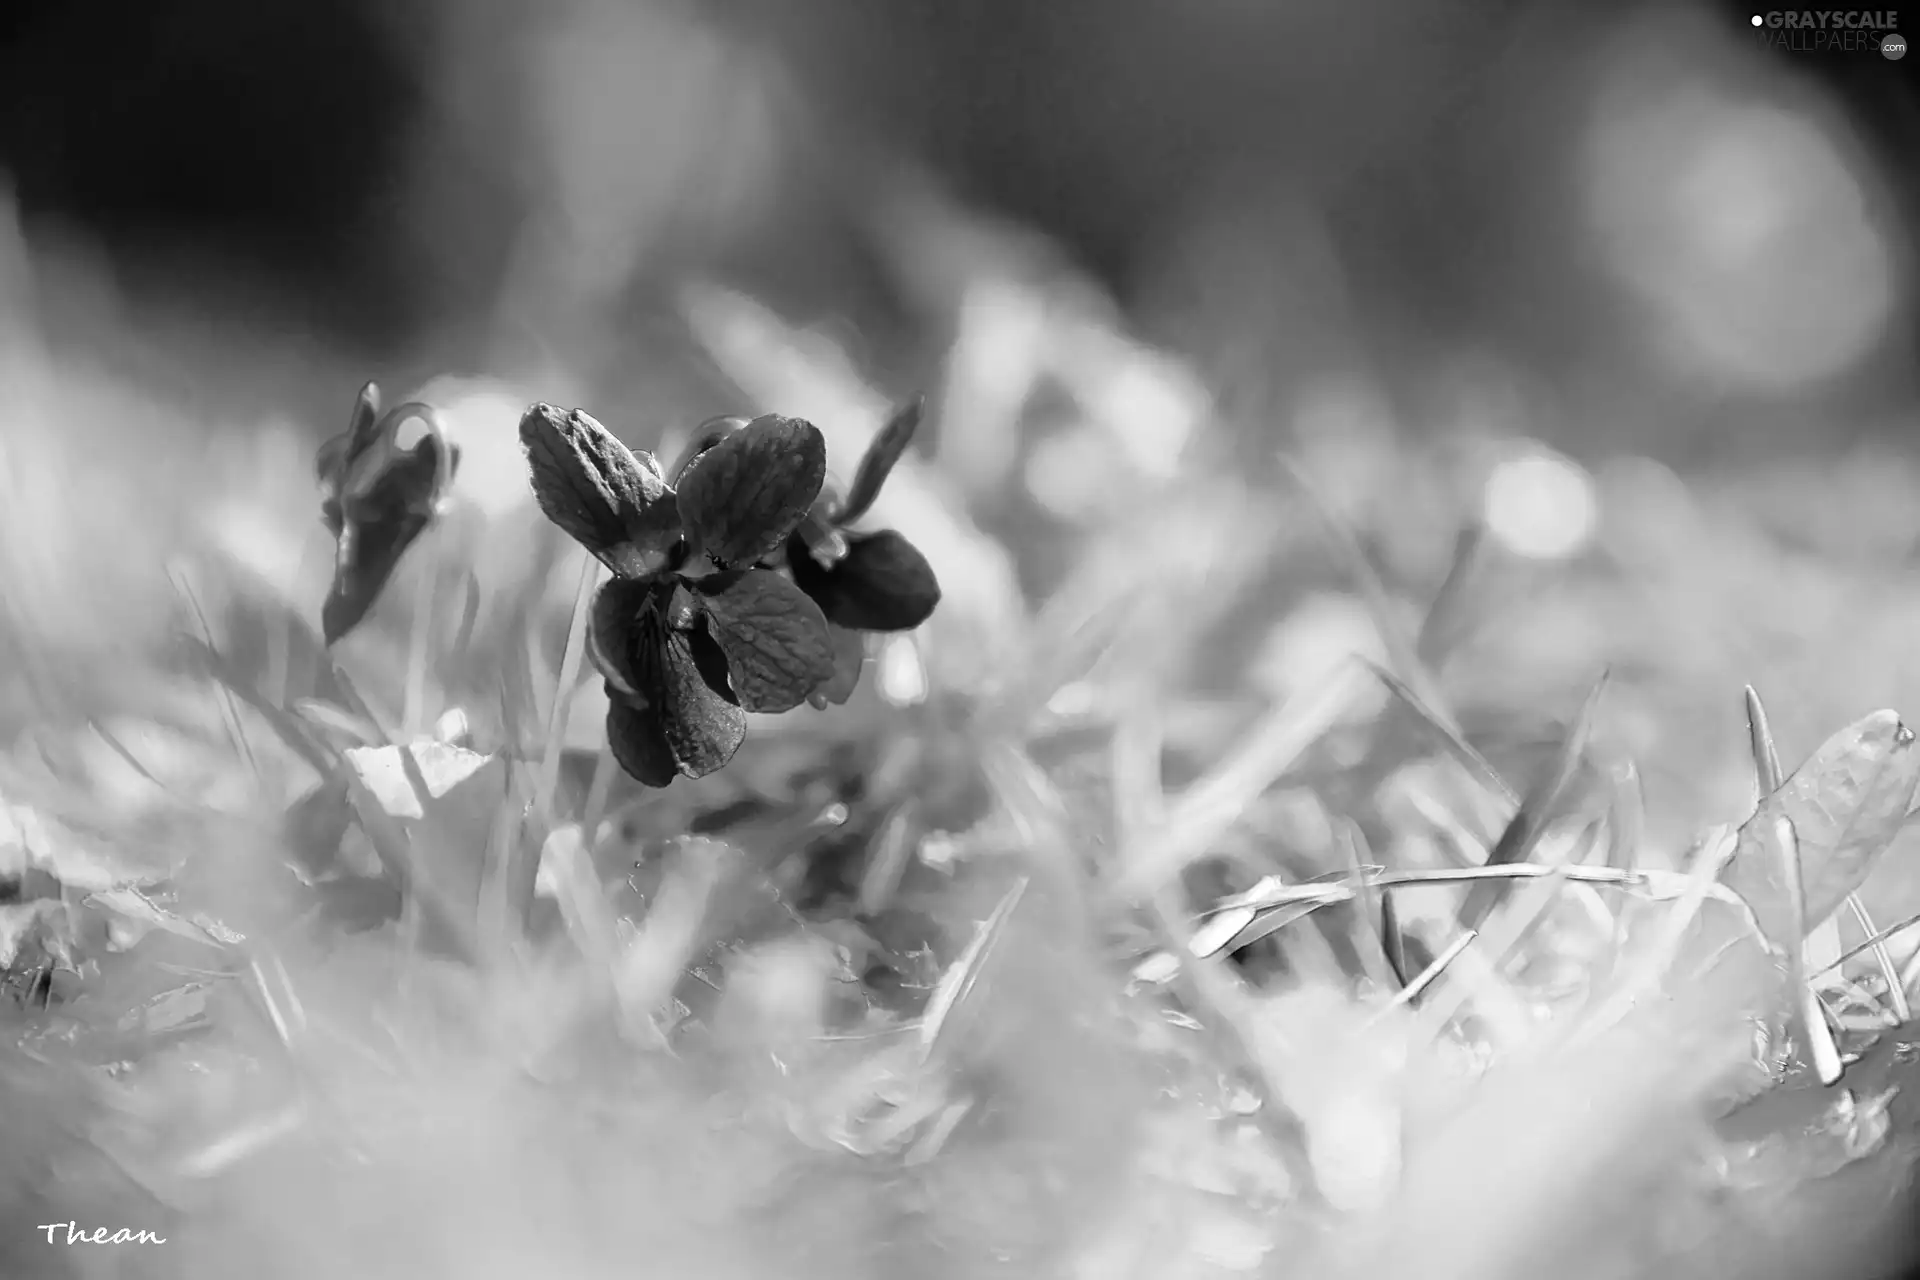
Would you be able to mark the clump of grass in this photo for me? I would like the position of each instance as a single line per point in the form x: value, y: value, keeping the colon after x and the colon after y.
x: 746, y: 914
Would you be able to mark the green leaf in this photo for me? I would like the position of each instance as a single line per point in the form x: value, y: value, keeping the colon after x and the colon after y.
x: 775, y: 638
x: 741, y: 498
x: 1846, y: 804
x: 888, y: 444
x: 611, y: 501
x: 132, y: 905
x: 882, y: 584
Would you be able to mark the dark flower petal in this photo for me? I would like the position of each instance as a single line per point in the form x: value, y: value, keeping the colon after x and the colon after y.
x: 639, y: 741
x: 385, y: 501
x: 741, y: 498
x: 849, y: 660
x: 333, y: 460
x: 611, y: 501
x: 883, y: 584
x: 366, y: 557
x: 616, y: 625
x: 705, y: 436
x: 774, y: 637
x: 876, y: 464
x: 683, y: 675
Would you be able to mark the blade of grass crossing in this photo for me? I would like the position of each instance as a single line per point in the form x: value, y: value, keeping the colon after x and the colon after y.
x: 1541, y: 805
x: 567, y: 678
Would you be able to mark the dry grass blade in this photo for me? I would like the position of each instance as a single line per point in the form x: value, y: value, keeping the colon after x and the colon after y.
x: 1370, y: 908
x: 469, y: 613
x: 1241, y: 920
x: 1877, y: 938
x: 357, y: 703
x: 1650, y: 967
x: 1647, y: 882
x: 285, y: 726
x: 1209, y: 808
x: 568, y: 678
x: 1228, y: 930
x: 1515, y: 921
x: 1889, y: 972
x: 1767, y: 773
x: 1810, y: 1019
x: 1402, y: 654
x: 1477, y: 982
x: 1626, y: 815
x: 1542, y: 804
x: 1457, y: 746
x: 1450, y: 607
x: 1393, y: 939
x: 242, y: 1142
x: 937, y: 1023
x: 1417, y: 986
x: 285, y: 1011
x: 888, y: 854
x: 512, y: 866
x: 230, y: 713
x: 413, y: 706
x: 1231, y: 1023
x: 1067, y: 639
x: 120, y: 749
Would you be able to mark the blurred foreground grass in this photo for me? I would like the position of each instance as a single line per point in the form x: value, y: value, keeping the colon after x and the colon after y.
x: 908, y: 988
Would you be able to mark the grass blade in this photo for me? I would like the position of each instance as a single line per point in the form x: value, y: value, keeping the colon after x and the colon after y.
x: 964, y: 974
x: 1449, y: 610
x: 1414, y: 989
x: 1401, y: 652
x: 1394, y: 941
x: 1846, y: 804
x: 564, y: 684
x: 1542, y: 804
x: 1810, y: 1017
x: 1449, y: 734
x: 1767, y: 773
x: 1207, y: 810
x: 1889, y: 972
x: 1626, y: 815
x: 1369, y: 925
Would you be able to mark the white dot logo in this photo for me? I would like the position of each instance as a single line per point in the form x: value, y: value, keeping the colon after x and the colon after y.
x: 1758, y: 20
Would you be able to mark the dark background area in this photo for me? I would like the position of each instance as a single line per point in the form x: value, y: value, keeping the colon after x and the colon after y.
x: 253, y: 152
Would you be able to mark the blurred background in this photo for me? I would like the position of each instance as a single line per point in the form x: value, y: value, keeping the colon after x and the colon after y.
x: 1657, y: 254
x: 1634, y: 225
